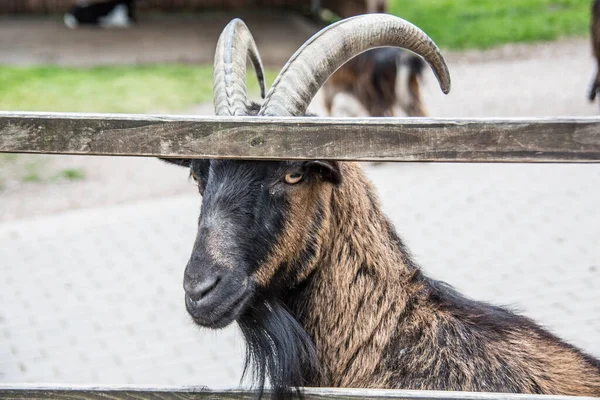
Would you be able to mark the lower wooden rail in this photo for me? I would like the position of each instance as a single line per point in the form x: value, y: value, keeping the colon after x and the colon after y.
x: 30, y: 391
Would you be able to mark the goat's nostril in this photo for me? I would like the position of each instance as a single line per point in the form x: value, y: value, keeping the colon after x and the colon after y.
x: 200, y: 289
x: 209, y: 287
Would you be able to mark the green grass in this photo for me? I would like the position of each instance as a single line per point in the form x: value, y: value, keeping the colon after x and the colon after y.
x: 119, y: 89
x: 463, y: 24
x: 32, y: 172
x: 32, y: 169
x: 70, y: 174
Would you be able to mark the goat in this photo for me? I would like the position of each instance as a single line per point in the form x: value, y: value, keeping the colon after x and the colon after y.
x: 595, y: 29
x: 379, y: 79
x: 301, y: 256
x: 112, y: 13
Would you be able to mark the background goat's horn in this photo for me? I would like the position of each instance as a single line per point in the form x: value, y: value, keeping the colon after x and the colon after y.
x: 329, y: 49
x: 229, y: 76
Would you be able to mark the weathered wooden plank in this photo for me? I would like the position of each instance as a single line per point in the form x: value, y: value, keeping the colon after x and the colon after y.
x: 374, y: 139
x: 28, y: 391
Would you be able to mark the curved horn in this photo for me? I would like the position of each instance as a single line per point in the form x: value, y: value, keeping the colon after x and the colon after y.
x: 329, y: 49
x: 235, y: 45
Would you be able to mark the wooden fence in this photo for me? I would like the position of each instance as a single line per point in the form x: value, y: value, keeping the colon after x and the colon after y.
x: 387, y: 139
x: 203, y: 393
x: 369, y: 139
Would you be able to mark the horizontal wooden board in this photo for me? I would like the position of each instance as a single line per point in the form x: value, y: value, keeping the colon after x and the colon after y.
x: 368, y: 139
x: 29, y: 391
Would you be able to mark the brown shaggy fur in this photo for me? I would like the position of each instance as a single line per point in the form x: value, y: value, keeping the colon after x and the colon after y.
x: 371, y: 78
x: 378, y: 322
x: 595, y: 30
x: 337, y: 300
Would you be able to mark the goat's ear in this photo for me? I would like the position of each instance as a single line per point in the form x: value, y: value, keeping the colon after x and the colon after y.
x: 328, y: 170
x: 182, y: 162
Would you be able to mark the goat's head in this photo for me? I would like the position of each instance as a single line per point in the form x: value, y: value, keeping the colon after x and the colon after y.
x: 262, y: 222
x: 258, y: 219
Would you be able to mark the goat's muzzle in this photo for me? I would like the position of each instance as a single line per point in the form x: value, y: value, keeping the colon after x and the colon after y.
x: 216, y: 298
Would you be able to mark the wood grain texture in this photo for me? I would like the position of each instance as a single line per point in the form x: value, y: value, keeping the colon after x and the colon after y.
x: 370, y: 139
x: 30, y: 391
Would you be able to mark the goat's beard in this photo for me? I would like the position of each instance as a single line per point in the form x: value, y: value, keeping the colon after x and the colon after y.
x: 279, y: 348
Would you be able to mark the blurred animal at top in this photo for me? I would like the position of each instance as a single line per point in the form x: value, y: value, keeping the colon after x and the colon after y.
x: 595, y: 28
x: 112, y: 13
x: 380, y: 81
x: 376, y: 6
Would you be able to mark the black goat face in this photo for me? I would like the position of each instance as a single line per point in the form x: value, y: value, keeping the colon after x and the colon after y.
x: 259, y: 232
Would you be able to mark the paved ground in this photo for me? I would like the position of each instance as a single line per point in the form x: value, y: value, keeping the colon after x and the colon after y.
x: 95, y: 295
x: 91, y: 271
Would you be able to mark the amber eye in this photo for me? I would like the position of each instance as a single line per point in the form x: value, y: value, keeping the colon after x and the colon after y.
x: 293, y: 178
x: 195, y: 178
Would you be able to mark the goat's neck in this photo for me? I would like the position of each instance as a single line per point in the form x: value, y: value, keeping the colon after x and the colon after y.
x: 359, y: 287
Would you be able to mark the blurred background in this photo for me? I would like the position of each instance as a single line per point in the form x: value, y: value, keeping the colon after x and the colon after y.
x: 92, y: 249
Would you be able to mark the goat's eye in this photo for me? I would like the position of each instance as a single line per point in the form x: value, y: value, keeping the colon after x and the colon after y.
x: 293, y: 178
